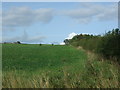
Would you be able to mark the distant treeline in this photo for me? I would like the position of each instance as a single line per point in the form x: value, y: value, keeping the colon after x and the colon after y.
x: 107, y: 45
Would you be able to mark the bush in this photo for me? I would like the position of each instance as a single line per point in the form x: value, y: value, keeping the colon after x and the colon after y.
x: 110, y: 45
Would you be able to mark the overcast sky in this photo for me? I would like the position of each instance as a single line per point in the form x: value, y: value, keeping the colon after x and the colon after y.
x: 55, y: 21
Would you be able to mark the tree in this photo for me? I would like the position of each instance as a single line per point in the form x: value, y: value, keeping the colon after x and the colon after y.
x: 66, y: 41
x: 18, y: 42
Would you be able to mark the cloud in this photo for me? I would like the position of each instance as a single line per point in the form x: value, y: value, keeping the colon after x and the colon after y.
x: 71, y: 35
x: 85, y: 13
x: 25, y: 16
x: 24, y: 38
x: 62, y: 43
x: 91, y: 11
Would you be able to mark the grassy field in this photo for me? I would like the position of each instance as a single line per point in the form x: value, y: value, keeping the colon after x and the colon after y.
x: 47, y: 66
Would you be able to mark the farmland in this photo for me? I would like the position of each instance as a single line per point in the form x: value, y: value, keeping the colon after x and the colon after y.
x: 47, y: 66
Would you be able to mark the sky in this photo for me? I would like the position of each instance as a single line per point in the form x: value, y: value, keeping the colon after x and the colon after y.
x: 53, y: 22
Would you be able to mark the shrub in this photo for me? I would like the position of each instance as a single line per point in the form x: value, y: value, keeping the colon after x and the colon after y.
x: 110, y: 45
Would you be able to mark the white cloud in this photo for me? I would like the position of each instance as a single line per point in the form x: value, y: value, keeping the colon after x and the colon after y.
x: 24, y: 16
x: 62, y: 43
x: 71, y: 35
x: 89, y: 11
x: 24, y: 38
x: 36, y: 39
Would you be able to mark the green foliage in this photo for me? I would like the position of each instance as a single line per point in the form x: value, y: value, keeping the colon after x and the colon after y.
x: 66, y: 41
x: 110, y: 44
x: 18, y: 42
x: 107, y: 45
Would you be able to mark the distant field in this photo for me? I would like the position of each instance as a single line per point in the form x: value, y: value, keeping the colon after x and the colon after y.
x: 35, y: 58
x: 47, y: 66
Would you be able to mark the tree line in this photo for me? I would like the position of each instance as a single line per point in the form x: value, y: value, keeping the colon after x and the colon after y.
x: 107, y: 45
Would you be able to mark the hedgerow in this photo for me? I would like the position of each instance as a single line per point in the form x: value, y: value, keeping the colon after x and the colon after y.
x: 107, y: 45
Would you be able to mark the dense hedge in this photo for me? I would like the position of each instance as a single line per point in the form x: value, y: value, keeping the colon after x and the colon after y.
x: 110, y: 44
x: 107, y: 45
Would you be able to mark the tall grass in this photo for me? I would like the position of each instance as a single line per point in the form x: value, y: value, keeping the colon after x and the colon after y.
x: 98, y: 75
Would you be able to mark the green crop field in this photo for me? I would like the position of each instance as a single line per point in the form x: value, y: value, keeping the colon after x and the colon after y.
x: 47, y: 66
